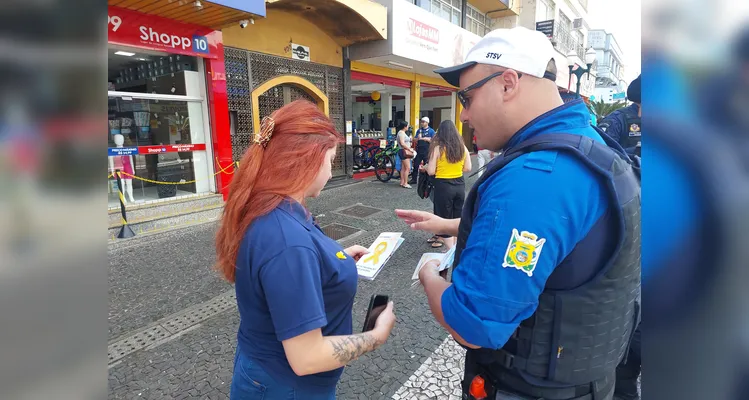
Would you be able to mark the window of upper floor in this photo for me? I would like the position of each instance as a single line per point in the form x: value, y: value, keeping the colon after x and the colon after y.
x: 449, y: 10
x: 544, y: 11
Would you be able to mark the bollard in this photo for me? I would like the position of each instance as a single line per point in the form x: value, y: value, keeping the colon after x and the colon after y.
x: 125, y: 231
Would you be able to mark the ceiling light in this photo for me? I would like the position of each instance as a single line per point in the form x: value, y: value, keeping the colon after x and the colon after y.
x: 198, y: 4
x: 124, y: 53
x: 397, y: 64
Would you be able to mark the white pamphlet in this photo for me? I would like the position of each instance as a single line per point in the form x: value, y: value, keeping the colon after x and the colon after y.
x: 379, y: 253
x: 445, y: 259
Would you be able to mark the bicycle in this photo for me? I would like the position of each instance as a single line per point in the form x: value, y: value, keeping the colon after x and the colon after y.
x: 364, y: 156
x: 385, y: 162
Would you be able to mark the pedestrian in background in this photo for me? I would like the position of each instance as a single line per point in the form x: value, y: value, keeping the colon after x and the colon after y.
x: 423, y: 138
x: 624, y: 125
x: 295, y: 286
x: 448, y: 160
x: 406, y: 153
x: 548, y: 247
x: 483, y: 156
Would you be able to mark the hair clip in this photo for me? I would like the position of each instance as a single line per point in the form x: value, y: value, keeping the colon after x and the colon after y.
x: 266, y: 131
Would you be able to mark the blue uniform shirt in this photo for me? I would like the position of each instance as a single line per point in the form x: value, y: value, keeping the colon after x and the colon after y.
x: 291, y: 279
x: 548, y: 194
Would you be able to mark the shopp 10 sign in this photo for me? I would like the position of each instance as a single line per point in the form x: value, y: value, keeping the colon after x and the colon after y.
x: 132, y: 28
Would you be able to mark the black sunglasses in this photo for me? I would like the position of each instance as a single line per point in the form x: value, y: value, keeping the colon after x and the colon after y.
x: 462, y: 94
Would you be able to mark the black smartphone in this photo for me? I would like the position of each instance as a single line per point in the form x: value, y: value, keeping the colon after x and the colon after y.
x: 377, y: 304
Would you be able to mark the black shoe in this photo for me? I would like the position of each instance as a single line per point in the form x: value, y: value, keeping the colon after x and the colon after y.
x: 411, y: 182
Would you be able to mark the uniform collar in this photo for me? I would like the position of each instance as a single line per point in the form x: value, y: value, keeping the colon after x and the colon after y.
x: 568, y: 117
x: 298, y: 212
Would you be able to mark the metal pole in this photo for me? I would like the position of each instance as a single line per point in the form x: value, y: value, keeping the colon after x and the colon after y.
x: 125, y: 231
x: 577, y: 90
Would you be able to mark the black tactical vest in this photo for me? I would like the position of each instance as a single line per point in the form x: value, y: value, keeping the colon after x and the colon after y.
x: 632, y: 137
x: 580, y: 335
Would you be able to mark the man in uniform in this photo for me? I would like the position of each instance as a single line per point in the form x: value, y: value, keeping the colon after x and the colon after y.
x: 545, y: 286
x: 624, y: 125
x: 423, y: 139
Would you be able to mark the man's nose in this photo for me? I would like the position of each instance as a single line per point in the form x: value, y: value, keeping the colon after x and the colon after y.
x: 464, y: 116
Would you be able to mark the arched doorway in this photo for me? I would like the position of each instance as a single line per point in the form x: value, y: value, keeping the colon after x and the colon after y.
x: 282, y: 90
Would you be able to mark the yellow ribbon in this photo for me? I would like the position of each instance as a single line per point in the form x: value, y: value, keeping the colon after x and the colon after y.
x: 379, y: 250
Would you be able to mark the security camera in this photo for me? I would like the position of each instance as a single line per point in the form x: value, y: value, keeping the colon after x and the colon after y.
x: 243, y: 23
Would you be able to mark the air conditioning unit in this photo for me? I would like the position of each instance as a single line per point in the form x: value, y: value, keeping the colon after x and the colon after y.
x: 577, y: 23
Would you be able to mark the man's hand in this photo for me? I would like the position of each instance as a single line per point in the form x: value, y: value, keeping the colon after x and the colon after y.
x: 428, y: 222
x: 356, y: 252
x: 429, y: 269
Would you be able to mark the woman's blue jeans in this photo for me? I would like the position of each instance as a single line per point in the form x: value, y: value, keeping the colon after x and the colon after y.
x: 250, y: 382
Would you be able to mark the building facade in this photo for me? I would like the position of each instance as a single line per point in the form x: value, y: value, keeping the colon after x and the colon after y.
x: 610, y: 83
x: 423, y: 35
x: 565, y: 22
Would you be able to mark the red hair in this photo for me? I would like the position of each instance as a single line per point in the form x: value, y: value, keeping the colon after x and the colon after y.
x: 286, y: 166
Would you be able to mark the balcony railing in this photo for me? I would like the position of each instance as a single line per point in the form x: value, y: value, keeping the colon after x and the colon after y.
x: 565, y: 42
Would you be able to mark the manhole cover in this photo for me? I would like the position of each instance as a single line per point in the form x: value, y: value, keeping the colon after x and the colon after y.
x: 338, y: 231
x: 359, y: 211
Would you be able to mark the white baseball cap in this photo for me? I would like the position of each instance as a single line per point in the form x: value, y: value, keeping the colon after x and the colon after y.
x: 425, y: 119
x: 519, y: 48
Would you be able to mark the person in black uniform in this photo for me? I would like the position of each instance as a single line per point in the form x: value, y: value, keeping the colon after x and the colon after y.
x: 624, y: 125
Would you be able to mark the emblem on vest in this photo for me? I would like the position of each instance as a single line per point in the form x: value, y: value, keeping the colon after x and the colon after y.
x: 634, y: 130
x: 523, y: 251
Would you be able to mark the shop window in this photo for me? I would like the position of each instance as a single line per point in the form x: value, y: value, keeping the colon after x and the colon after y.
x: 156, y: 133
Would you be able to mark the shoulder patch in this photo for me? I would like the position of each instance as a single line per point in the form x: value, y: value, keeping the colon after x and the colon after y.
x: 523, y: 251
x: 541, y: 160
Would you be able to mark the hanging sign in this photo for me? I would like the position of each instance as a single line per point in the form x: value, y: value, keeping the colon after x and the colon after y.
x: 158, y: 149
x: 122, y: 151
x: 299, y: 52
x: 131, y: 28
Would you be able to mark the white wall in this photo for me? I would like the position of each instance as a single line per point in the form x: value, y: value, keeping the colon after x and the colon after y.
x: 429, y: 103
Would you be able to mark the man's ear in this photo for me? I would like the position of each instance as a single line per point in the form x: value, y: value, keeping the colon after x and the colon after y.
x: 509, y: 82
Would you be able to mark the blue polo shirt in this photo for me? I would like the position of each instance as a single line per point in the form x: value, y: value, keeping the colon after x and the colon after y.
x: 549, y: 194
x: 291, y: 279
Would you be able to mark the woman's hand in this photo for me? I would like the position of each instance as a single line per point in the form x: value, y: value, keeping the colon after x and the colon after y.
x: 384, y: 324
x: 356, y: 252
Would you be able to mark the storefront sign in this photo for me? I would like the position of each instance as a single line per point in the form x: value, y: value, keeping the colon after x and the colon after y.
x: 122, y: 151
x: 619, y: 96
x: 546, y: 27
x: 420, y: 35
x: 132, y: 28
x: 169, y: 148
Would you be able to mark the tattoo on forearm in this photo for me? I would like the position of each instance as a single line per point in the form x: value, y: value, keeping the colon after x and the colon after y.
x: 349, y: 348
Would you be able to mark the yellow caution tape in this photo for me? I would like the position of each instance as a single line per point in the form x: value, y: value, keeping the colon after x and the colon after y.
x: 222, y: 170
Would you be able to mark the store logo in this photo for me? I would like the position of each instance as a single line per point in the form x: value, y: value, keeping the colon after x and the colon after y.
x: 301, y: 53
x: 423, y: 31
x: 198, y: 44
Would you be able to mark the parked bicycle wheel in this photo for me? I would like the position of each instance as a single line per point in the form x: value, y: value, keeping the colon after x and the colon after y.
x: 384, y: 168
x: 359, y: 156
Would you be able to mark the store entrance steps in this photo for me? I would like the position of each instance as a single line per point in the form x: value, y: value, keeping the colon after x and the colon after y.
x: 167, y: 215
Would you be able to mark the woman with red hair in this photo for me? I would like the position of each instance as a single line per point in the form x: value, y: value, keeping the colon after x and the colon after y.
x: 295, y: 286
